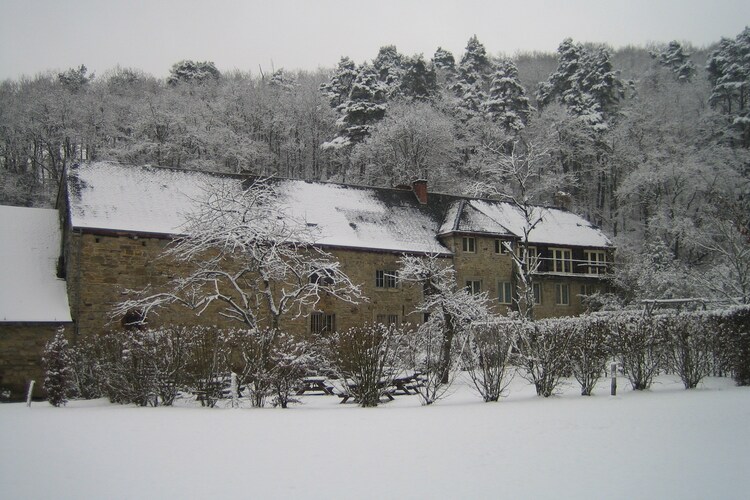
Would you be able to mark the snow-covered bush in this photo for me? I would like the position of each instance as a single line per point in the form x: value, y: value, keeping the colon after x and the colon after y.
x: 589, y: 350
x: 543, y: 352
x: 291, y: 360
x: 488, y: 357
x: 368, y: 358
x: 208, y: 364
x: 691, y: 339
x: 735, y: 342
x: 640, y: 344
x: 271, y: 363
x: 57, y: 370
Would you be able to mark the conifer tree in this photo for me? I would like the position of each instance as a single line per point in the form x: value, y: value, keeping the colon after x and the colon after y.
x: 338, y: 88
x: 473, y: 73
x: 365, y: 106
x: 585, y: 83
x: 444, y: 60
x: 419, y: 80
x: 57, y: 370
x: 676, y: 59
x: 729, y: 73
x: 507, y: 103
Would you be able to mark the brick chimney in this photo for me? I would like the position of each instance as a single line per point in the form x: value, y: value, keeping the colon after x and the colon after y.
x: 420, y: 189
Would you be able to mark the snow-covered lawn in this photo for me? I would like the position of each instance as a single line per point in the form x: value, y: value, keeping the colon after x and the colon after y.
x: 664, y: 443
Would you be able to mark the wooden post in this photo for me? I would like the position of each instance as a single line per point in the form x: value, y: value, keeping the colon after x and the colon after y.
x: 613, y: 383
x: 29, y: 393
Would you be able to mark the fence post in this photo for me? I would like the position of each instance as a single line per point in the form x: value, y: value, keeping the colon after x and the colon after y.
x: 29, y: 393
x: 613, y: 383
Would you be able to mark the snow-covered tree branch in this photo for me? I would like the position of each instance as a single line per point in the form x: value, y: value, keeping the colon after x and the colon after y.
x: 246, y: 260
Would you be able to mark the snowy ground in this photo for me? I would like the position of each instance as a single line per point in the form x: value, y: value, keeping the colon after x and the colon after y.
x: 665, y: 443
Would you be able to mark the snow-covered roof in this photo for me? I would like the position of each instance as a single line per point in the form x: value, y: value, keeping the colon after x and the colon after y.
x: 29, y: 249
x: 556, y: 227
x: 115, y: 197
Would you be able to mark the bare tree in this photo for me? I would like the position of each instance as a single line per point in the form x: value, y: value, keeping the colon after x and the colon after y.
x: 515, y: 176
x: 247, y: 255
x: 488, y: 359
x: 450, y: 310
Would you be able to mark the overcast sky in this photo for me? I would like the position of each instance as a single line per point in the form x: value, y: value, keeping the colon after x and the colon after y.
x: 151, y: 35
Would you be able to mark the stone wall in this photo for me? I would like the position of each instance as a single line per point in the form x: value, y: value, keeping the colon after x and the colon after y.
x: 21, y: 349
x: 101, y: 267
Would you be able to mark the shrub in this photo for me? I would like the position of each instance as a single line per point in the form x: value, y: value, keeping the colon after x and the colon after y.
x: 640, y: 345
x: 589, y: 350
x: 488, y: 357
x: 690, y: 352
x: 57, y: 370
x: 367, y: 358
x: 543, y: 353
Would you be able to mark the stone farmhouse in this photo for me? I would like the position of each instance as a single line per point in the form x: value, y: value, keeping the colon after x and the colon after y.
x: 116, y: 220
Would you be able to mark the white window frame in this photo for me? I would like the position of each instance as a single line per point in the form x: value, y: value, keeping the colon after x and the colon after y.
x: 536, y: 289
x: 474, y: 286
x: 597, y: 260
x: 562, y: 294
x: 505, y: 292
x: 469, y: 244
x: 562, y: 260
x: 500, y: 248
x: 386, y: 278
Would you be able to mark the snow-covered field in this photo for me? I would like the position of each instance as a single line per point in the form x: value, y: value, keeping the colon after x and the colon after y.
x: 664, y: 443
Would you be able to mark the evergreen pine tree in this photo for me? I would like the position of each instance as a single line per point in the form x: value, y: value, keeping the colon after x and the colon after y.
x: 419, y: 80
x: 585, y: 83
x: 338, y: 88
x: 507, y: 103
x: 676, y: 59
x: 444, y: 60
x: 470, y: 86
x: 365, y: 106
x: 729, y: 73
x: 389, y: 65
x: 57, y: 369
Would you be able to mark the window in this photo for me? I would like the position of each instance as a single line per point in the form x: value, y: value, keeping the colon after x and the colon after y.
x: 532, y: 257
x: 562, y: 260
x: 469, y: 244
x: 562, y: 294
x: 501, y: 246
x: 588, y: 290
x: 537, y: 287
x: 597, y: 260
x: 322, y: 277
x: 505, y: 292
x: 387, y: 319
x: 322, y: 323
x: 474, y: 286
x: 385, y: 279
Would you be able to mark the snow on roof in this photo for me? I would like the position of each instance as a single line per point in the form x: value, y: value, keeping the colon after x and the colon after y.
x: 462, y: 217
x: 115, y: 197
x: 111, y: 196
x: 557, y: 227
x: 29, y: 249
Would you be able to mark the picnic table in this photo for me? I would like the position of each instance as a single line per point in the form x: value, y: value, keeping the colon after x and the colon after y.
x: 352, y: 387
x: 315, y: 384
x: 406, y: 384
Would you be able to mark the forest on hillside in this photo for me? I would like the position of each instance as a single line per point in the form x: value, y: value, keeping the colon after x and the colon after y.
x: 650, y: 143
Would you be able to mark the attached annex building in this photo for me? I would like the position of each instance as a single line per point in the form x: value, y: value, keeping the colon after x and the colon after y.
x: 117, y: 219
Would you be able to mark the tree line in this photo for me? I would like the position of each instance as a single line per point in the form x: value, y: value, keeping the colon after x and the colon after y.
x: 649, y: 143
